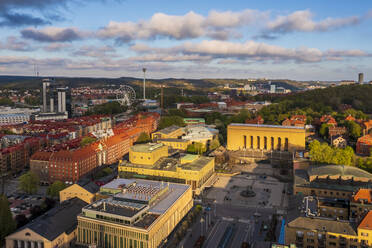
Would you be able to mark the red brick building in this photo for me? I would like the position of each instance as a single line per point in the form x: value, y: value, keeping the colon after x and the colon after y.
x: 364, y: 145
x: 15, y: 158
x: 68, y: 166
x: 116, y: 147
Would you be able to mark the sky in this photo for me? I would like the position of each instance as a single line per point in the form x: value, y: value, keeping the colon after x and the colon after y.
x: 286, y: 39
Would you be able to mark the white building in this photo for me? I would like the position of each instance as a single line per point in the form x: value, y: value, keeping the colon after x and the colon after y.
x: 200, y: 134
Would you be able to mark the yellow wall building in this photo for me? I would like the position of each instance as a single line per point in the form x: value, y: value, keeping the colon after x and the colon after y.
x: 172, y: 132
x: 131, y: 218
x: 321, y: 232
x: 147, y: 154
x: 194, y: 170
x: 265, y: 137
x: 179, y: 144
x: 56, y: 228
x: 86, y: 194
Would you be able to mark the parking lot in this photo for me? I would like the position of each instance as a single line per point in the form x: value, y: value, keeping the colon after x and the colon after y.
x: 22, y: 204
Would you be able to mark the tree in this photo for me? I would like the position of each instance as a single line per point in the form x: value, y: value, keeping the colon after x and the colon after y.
x: 29, y: 182
x: 87, y: 140
x: 7, y: 224
x: 143, y: 138
x: 323, y: 153
x: 353, y: 129
x: 214, y: 144
x: 196, y: 148
x: 54, y: 189
x: 323, y: 131
x: 168, y: 121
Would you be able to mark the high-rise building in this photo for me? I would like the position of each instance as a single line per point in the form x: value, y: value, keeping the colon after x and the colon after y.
x: 56, y: 101
x: 272, y: 88
x: 360, y: 78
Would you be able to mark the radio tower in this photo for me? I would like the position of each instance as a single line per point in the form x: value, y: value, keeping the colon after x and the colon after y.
x: 144, y: 83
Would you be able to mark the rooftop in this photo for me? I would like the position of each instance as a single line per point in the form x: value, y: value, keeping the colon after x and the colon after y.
x: 323, y: 224
x: 132, y: 201
x: 366, y: 222
x: 58, y: 220
x: 364, y: 195
x: 265, y: 126
x: 148, y: 147
x: 169, y: 130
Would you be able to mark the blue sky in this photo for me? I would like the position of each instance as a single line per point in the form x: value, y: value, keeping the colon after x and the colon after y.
x: 301, y: 40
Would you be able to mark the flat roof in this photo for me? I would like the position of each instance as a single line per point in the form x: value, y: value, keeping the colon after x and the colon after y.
x: 171, y: 164
x: 174, y: 140
x: 169, y: 129
x: 264, y: 125
x: 166, y: 200
x: 149, y: 147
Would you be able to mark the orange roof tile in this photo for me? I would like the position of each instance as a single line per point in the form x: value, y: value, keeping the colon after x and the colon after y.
x: 366, y: 222
x: 363, y: 194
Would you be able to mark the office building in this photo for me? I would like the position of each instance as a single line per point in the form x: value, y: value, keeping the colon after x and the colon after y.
x: 265, y: 137
x: 360, y: 78
x: 135, y: 213
x: 151, y: 161
x: 272, y: 88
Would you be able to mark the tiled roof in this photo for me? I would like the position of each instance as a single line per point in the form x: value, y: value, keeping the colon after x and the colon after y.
x: 363, y: 194
x: 366, y: 222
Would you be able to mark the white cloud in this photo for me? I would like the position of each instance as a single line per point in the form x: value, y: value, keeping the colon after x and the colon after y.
x: 302, y: 21
x: 217, y: 25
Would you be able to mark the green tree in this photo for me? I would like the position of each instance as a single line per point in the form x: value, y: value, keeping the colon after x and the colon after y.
x: 168, y: 121
x: 196, y: 148
x: 323, y: 153
x: 143, y: 138
x: 54, y: 189
x: 214, y: 144
x: 353, y: 129
x: 7, y: 224
x: 29, y: 182
x: 32, y: 100
x: 87, y: 140
x: 323, y: 131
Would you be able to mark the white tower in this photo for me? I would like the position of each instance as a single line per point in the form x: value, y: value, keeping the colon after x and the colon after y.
x: 144, y: 83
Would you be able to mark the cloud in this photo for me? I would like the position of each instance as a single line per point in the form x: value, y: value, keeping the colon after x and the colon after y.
x: 94, y: 51
x: 216, y: 25
x: 250, y: 50
x: 302, y: 21
x: 54, y: 47
x: 53, y: 34
x: 16, y: 13
x: 12, y: 43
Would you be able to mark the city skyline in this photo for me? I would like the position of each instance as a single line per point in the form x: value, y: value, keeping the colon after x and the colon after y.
x: 294, y: 40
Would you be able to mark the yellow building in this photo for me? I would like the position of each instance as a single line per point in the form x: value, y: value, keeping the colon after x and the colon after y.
x: 56, y: 228
x: 194, y: 170
x: 172, y: 132
x: 265, y: 137
x: 179, y: 144
x: 147, y: 154
x: 322, y: 232
x: 139, y: 213
x: 86, y: 193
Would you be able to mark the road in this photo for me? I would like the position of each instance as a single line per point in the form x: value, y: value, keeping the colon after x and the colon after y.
x: 214, y: 237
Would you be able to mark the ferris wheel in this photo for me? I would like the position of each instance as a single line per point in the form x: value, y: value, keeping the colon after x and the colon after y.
x: 126, y: 95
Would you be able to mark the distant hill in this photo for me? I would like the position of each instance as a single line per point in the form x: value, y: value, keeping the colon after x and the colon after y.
x: 17, y: 82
